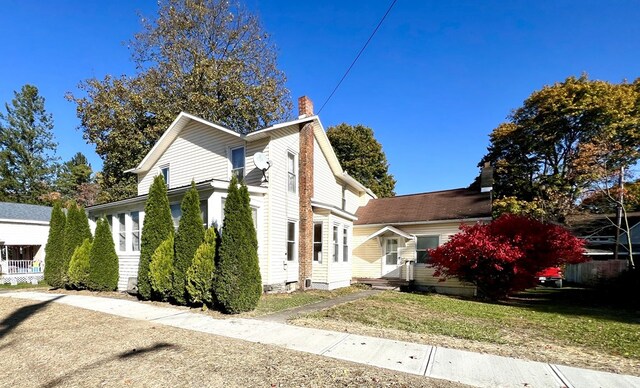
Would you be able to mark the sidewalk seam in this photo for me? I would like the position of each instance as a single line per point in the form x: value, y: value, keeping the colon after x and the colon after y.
x: 429, y: 362
x: 347, y: 335
x: 563, y: 379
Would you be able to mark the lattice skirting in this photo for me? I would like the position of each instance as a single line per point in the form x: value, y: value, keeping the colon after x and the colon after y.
x: 33, y: 278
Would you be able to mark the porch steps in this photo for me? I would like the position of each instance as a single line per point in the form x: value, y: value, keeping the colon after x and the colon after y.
x: 383, y: 283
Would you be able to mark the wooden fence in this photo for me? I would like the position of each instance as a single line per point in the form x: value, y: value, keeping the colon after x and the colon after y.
x: 591, y: 272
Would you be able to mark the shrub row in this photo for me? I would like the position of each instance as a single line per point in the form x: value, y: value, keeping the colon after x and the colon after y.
x: 199, y: 267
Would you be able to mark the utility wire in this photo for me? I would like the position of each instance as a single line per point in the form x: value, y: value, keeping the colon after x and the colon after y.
x: 358, y: 56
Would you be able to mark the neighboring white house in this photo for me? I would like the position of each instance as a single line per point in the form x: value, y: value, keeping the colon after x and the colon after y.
x: 303, y: 204
x: 23, y: 235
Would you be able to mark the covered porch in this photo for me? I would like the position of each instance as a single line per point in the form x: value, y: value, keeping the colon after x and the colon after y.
x: 21, y: 264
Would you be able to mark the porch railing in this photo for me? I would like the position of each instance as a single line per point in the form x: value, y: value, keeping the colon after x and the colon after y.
x: 22, y: 266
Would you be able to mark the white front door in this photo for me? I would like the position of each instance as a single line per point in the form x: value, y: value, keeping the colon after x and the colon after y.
x: 291, y: 259
x: 391, y: 258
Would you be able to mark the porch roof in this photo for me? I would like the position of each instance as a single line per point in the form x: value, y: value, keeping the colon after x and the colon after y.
x: 393, y: 230
x: 24, y: 212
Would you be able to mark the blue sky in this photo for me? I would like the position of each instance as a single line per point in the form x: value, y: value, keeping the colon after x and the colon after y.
x: 433, y: 83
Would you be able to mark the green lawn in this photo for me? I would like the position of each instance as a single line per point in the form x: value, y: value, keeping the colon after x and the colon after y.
x: 563, y: 317
x: 271, y: 303
x: 20, y: 286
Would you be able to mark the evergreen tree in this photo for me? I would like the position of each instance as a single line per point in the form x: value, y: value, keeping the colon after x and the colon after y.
x: 78, y: 275
x: 74, y: 176
x: 161, y: 269
x: 200, y: 274
x: 157, y: 227
x: 189, y: 236
x: 103, y: 260
x: 54, y: 251
x: 76, y: 231
x: 238, y: 285
x: 27, y: 161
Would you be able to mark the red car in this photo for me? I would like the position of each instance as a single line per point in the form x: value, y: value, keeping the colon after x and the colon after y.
x: 551, y: 276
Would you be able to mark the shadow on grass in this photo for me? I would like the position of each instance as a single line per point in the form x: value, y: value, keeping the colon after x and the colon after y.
x: 587, y: 302
x: 22, y: 314
x: 120, y: 356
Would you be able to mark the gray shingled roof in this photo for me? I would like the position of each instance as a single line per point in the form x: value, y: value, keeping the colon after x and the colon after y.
x: 23, y: 211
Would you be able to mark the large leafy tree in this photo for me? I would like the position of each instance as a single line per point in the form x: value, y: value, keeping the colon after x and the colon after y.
x: 552, y: 148
x: 27, y: 148
x: 504, y: 256
x: 156, y: 228
x: 361, y: 155
x: 210, y: 58
x: 238, y: 284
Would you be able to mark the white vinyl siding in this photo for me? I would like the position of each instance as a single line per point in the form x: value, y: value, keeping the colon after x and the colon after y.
x: 196, y: 142
x: 282, y: 206
x: 326, y: 189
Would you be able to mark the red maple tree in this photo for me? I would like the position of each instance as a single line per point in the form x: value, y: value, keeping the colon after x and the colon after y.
x: 504, y: 256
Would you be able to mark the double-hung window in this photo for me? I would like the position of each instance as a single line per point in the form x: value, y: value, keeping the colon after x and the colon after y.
x: 291, y: 240
x: 336, y: 245
x: 423, y: 245
x: 345, y: 244
x: 291, y: 168
x: 317, y: 242
x: 176, y: 213
x: 122, y: 234
x: 237, y: 162
x: 135, y: 231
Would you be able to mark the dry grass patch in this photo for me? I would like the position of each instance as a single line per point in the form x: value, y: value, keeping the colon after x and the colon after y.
x: 51, y: 345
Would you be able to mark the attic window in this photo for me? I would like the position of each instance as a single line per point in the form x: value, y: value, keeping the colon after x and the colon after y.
x: 164, y: 171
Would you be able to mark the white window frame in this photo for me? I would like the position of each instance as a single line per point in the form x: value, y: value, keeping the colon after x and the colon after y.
x: 292, y: 176
x: 335, y: 242
x: 133, y: 231
x: 244, y: 161
x: 122, y: 231
x: 167, y: 181
x: 294, y: 241
x: 318, y: 243
x: 345, y: 244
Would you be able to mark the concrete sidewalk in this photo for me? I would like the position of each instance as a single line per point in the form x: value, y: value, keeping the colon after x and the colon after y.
x: 480, y: 370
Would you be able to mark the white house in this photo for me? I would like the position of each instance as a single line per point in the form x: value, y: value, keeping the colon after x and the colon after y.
x: 23, y: 236
x: 303, y: 203
x: 317, y: 226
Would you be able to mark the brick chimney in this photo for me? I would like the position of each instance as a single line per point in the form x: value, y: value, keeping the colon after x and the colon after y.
x: 305, y: 185
x: 486, y: 178
x: 305, y: 107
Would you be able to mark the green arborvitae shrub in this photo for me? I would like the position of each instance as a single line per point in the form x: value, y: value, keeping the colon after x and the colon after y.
x: 103, y: 260
x: 200, y: 274
x: 189, y: 236
x: 75, y: 232
x: 157, y: 227
x: 161, y: 269
x: 78, y: 275
x: 54, y: 251
x: 238, y: 285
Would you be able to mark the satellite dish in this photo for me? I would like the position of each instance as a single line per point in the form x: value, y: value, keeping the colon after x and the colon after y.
x: 261, y: 161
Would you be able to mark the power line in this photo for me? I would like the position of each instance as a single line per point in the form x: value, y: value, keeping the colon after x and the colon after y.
x: 358, y: 56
